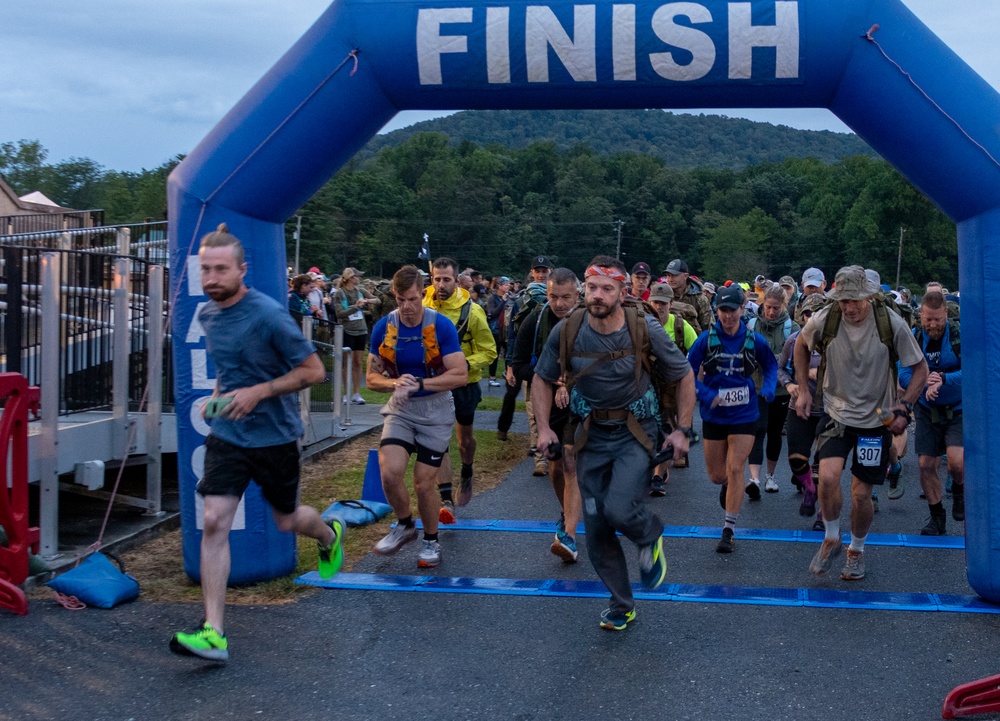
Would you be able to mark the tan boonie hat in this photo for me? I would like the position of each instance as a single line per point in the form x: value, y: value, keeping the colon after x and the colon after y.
x: 661, y: 292
x: 851, y: 283
x: 788, y: 280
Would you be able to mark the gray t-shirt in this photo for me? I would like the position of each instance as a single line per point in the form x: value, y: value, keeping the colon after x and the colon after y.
x: 857, y: 380
x: 612, y: 384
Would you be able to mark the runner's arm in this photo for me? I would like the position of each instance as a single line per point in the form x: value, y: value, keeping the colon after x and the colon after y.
x: 307, y: 373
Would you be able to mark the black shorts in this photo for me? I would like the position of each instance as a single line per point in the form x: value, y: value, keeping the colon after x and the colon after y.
x: 870, y: 446
x: 229, y: 470
x: 932, y: 439
x: 424, y: 454
x: 355, y: 342
x: 466, y: 401
x: 719, y: 432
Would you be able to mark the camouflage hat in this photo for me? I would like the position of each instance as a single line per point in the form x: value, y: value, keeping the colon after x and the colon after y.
x: 812, y: 303
x: 852, y: 283
x: 789, y: 281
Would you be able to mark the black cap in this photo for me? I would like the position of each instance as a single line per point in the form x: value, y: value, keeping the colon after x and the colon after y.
x: 676, y: 267
x: 542, y: 261
x: 641, y: 268
x: 729, y: 297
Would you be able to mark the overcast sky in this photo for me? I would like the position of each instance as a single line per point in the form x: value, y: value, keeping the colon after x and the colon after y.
x: 132, y: 83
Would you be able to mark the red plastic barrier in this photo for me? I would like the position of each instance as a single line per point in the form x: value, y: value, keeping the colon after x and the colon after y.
x: 977, y: 697
x: 14, y: 491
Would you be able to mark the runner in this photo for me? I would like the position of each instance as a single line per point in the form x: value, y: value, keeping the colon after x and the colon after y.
x: 605, y: 371
x: 261, y: 360
x: 801, y: 432
x: 416, y: 356
x: 860, y: 341
x: 726, y: 358
x: 563, y: 296
x: 469, y: 318
x: 690, y: 292
x: 640, y: 276
x: 773, y: 323
x: 939, y: 411
x: 683, y: 335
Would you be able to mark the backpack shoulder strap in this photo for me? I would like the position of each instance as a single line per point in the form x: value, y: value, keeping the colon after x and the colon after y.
x: 955, y: 334
x: 679, y: 333
x: 884, y: 324
x: 463, y: 320
x: 830, y: 327
x: 752, y: 324
x: 788, y: 328
x: 567, y: 340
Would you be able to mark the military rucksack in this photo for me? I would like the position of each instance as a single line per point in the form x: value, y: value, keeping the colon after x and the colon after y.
x: 635, y: 321
x: 831, y: 326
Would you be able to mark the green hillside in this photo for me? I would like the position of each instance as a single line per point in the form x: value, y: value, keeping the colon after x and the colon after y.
x: 681, y: 141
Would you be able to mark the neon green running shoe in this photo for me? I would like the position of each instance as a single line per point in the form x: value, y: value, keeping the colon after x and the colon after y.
x: 616, y: 620
x: 331, y: 557
x: 205, y: 642
x: 652, y: 564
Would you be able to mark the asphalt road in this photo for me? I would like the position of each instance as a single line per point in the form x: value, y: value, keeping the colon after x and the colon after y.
x: 342, y: 654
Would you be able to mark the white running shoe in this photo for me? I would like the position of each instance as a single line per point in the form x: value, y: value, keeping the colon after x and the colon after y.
x: 430, y: 555
x: 770, y: 485
x: 398, y: 537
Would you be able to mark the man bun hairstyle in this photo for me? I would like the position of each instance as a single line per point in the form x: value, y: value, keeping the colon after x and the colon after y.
x: 221, y: 238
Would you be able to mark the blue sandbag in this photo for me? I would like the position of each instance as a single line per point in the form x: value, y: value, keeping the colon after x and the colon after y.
x: 357, y: 513
x: 97, y: 582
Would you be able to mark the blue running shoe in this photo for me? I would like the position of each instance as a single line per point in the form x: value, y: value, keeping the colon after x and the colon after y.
x: 652, y: 564
x: 616, y: 620
x: 564, y: 546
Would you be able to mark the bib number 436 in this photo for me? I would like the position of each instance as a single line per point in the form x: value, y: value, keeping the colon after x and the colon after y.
x: 734, y: 396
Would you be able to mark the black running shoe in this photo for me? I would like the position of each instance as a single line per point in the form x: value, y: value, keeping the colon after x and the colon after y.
x: 935, y: 526
x: 958, y: 503
x: 657, y: 488
x: 753, y: 489
x: 726, y: 543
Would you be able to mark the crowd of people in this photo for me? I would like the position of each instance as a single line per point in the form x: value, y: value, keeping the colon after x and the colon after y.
x: 612, y: 367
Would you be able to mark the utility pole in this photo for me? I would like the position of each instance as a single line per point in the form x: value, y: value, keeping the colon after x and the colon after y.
x: 899, y: 258
x: 298, y: 240
x: 618, y: 252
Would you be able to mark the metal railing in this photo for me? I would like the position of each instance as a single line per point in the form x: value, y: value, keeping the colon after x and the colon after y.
x: 144, y: 241
x: 91, y: 284
x: 47, y: 222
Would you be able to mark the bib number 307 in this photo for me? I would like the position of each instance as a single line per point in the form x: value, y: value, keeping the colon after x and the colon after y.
x: 869, y: 451
x: 734, y: 396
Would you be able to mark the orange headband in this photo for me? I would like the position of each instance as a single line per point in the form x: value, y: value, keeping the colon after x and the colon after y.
x: 605, y: 272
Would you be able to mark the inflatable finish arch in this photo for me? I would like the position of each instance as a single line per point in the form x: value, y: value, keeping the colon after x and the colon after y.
x: 364, y: 60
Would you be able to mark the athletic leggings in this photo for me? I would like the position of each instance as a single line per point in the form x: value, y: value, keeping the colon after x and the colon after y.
x: 770, y: 423
x: 801, y: 436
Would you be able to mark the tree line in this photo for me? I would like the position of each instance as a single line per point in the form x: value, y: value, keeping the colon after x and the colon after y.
x: 494, y: 207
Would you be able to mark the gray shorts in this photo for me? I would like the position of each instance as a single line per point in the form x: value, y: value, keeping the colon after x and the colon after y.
x: 424, y: 422
x: 931, y: 439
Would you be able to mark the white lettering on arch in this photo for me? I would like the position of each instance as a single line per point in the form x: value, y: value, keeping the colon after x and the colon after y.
x: 579, y: 55
x: 696, y: 42
x: 744, y: 36
x: 431, y: 44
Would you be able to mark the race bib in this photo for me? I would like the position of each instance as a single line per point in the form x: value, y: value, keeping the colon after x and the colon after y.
x: 356, y: 315
x: 729, y: 397
x: 869, y: 451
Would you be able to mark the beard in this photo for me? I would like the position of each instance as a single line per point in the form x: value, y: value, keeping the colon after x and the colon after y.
x: 220, y: 294
x: 600, y: 310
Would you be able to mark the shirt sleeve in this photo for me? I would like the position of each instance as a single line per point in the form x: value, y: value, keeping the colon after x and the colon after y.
x: 287, y: 339
x: 673, y: 364
x: 814, y: 327
x: 547, y: 366
x: 690, y: 335
x: 447, y: 335
x: 909, y: 352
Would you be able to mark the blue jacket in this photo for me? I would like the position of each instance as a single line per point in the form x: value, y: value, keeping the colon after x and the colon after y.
x: 710, y: 386
x: 951, y: 392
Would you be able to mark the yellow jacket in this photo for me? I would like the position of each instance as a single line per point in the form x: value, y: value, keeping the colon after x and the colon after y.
x: 477, y: 342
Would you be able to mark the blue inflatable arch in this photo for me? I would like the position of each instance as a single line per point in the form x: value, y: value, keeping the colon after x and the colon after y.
x: 365, y: 60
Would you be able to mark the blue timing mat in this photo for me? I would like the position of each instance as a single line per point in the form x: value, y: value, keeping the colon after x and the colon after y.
x: 750, y: 534
x: 805, y: 597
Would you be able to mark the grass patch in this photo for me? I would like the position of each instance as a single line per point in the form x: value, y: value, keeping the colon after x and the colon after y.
x: 158, y: 564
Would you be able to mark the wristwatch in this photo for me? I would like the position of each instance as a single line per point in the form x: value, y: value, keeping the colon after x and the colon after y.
x: 907, y: 405
x: 688, y: 431
x: 420, y: 382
